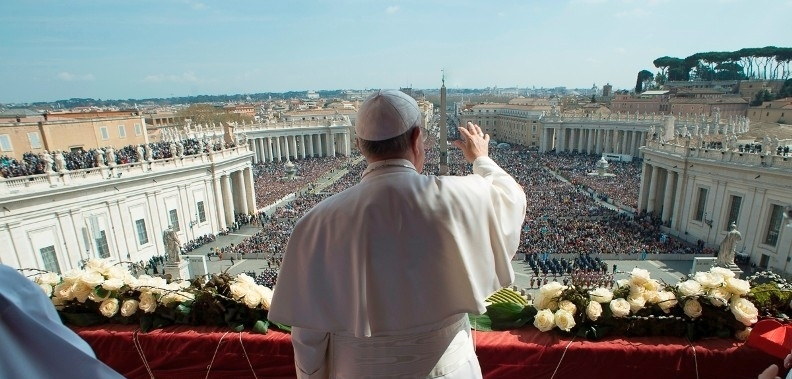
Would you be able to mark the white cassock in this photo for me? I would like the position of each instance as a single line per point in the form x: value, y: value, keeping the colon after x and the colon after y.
x: 34, y: 341
x: 377, y: 280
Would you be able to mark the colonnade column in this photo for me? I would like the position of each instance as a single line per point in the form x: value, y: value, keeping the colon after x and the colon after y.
x: 293, y: 146
x: 650, y: 206
x: 347, y: 148
x: 219, y: 199
x: 252, y: 147
x: 668, y: 198
x: 330, y: 144
x: 277, y: 145
x: 572, y: 139
x: 228, y: 204
x: 643, y: 195
x: 581, y: 140
x: 302, y: 145
x: 247, y: 173
x: 241, y: 192
x: 268, y: 145
x: 310, y: 145
x: 679, y: 196
x: 590, y: 142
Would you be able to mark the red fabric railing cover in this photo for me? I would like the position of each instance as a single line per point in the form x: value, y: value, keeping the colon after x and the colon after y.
x: 186, y: 352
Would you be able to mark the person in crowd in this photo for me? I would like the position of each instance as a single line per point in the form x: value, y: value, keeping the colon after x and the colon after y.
x: 418, y: 252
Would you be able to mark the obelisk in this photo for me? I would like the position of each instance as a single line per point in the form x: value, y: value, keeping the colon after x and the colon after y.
x: 443, y: 167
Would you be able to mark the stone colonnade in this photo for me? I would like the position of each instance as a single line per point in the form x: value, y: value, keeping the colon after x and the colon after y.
x: 235, y: 195
x: 293, y: 146
x: 592, y: 140
x: 660, y: 188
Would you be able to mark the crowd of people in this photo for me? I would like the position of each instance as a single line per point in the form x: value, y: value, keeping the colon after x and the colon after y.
x: 623, y: 187
x: 79, y: 159
x: 272, y: 183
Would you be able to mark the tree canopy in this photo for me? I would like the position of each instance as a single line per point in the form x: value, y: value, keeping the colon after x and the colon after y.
x: 769, y: 62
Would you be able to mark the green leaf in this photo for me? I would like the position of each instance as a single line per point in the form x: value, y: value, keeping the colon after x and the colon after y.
x: 507, y: 316
x: 146, y: 323
x: 183, y: 309
x: 283, y: 327
x: 261, y: 326
x: 101, y: 292
x: 237, y: 327
x: 481, y: 323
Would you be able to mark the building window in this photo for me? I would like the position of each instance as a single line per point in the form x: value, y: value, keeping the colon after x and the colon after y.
x: 701, y: 204
x: 774, y: 225
x: 101, y: 245
x: 121, y: 131
x: 35, y: 140
x: 142, y: 234
x: 734, y: 211
x: 138, y: 130
x: 50, y: 259
x: 201, y: 212
x: 173, y: 216
x: 105, y: 134
x: 5, y: 143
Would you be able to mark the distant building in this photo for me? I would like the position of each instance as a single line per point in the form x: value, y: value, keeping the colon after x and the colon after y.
x: 749, y: 88
x: 607, y: 90
x: 312, y: 95
x: 510, y: 123
x: 778, y: 111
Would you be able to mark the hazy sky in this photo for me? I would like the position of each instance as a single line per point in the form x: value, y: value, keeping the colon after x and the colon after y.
x: 158, y: 48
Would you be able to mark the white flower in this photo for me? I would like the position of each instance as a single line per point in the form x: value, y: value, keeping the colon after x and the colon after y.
x: 651, y: 285
x: 244, y: 278
x: 666, y: 300
x: 116, y: 272
x: 72, y: 276
x: 544, y: 320
x: 266, y: 296
x: 636, y: 303
x: 113, y: 284
x: 81, y: 291
x: 148, y: 303
x: 620, y: 307
x: 93, y: 296
x: 567, y: 306
x: 637, y: 291
x: 47, y: 288
x: 708, y: 280
x: 719, y: 296
x: 238, y: 290
x: 92, y: 279
x: 639, y: 276
x: 109, y: 307
x: 58, y: 303
x: 622, y: 282
x: 129, y: 307
x: 63, y: 291
x: 552, y: 289
x: 594, y: 310
x: 744, y: 311
x: 564, y: 320
x: 690, y: 288
x: 692, y: 308
x: 722, y: 272
x: 252, y: 299
x: 738, y: 287
x: 651, y: 297
x: 545, y: 301
x: 742, y: 335
x: 601, y: 295
x: 184, y: 284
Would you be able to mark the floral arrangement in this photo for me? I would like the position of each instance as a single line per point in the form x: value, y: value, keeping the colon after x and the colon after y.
x: 104, y: 292
x: 712, y: 303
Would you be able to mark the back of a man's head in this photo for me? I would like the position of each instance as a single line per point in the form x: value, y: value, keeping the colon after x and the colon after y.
x: 384, y: 122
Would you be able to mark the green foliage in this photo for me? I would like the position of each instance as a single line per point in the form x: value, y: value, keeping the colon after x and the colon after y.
x: 771, y: 299
x: 769, y: 62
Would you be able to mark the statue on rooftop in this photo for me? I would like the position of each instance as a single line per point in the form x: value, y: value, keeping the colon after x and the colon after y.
x: 728, y: 247
x: 141, y: 153
x: 47, y: 158
x: 60, y: 161
x: 172, y: 244
x: 99, y: 157
x: 149, y: 153
x: 111, y: 157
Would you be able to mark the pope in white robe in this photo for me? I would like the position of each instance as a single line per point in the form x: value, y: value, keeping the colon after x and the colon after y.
x: 377, y: 280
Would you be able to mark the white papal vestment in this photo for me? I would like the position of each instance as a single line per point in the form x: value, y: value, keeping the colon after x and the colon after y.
x: 377, y: 279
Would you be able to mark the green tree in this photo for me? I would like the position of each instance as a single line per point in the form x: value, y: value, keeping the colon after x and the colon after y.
x: 643, y: 76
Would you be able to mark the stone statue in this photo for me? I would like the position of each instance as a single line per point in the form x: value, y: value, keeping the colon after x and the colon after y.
x: 47, y: 158
x: 651, y: 133
x: 172, y: 245
x: 60, y: 161
x: 100, y: 159
x: 179, y: 149
x: 141, y: 153
x: 774, y: 142
x: 172, y: 149
x: 111, y: 157
x: 149, y: 153
x: 728, y: 246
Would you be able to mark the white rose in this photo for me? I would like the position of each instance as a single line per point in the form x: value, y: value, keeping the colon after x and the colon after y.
x: 92, y: 279
x: 620, y: 307
x: 692, y: 308
x: 594, y: 310
x: 651, y: 285
x: 719, y: 296
x: 72, y: 275
x: 708, y: 280
x: 564, y: 320
x: 742, y: 335
x: 130, y: 280
x: 744, y: 311
x: 651, y: 297
x: 639, y: 276
x: 244, y: 278
x: 50, y: 278
x: 666, y: 300
x: 116, y: 272
x: 148, y: 303
x: 93, y: 296
x: 637, y: 291
x: 722, y: 272
x: 113, y: 284
x: 238, y: 290
x: 64, y: 291
x: 545, y: 301
x: 58, y: 303
x: 46, y: 288
x: 129, y: 307
x: 81, y: 291
x: 568, y: 306
x: 544, y: 320
x: 552, y: 289
x: 109, y: 307
x: 601, y: 295
x: 184, y: 284
x: 622, y: 282
x: 690, y: 288
x: 266, y: 296
x: 738, y: 287
x: 636, y: 303
x: 95, y: 265
x: 252, y: 299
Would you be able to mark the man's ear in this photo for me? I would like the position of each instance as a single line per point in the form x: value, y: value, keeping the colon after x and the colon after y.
x: 415, y: 139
